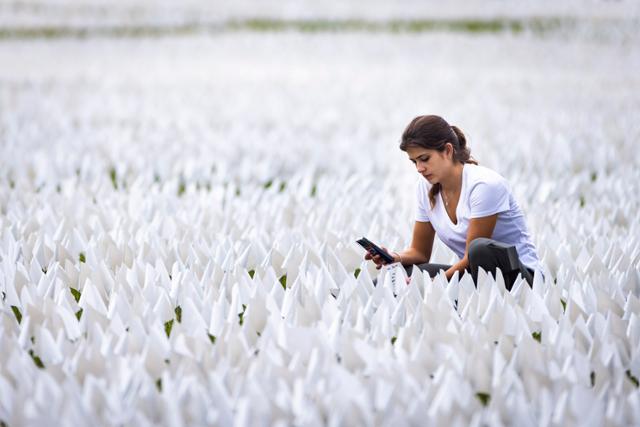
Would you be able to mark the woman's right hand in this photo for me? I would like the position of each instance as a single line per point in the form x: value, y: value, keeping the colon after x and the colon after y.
x: 377, y: 259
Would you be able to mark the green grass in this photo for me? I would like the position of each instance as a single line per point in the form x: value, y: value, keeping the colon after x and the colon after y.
x: 241, y: 315
x: 82, y: 257
x: 76, y: 294
x: 36, y: 359
x: 632, y: 378
x: 16, y: 312
x: 484, y: 398
x: 283, y: 282
x: 537, y: 336
x: 394, y: 26
x: 182, y: 188
x: 112, y: 172
x: 356, y: 273
x: 167, y: 327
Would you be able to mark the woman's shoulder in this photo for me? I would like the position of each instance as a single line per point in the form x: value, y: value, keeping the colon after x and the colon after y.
x: 482, y: 181
x: 477, y: 174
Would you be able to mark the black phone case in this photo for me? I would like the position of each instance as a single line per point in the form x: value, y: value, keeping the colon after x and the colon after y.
x: 369, y: 245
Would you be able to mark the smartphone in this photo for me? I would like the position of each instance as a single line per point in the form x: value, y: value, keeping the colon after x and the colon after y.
x: 372, y: 247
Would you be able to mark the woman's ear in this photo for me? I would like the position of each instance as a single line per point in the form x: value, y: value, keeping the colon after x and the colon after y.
x: 448, y: 150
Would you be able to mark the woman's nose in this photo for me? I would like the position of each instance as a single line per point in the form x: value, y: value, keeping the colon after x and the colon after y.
x: 420, y: 167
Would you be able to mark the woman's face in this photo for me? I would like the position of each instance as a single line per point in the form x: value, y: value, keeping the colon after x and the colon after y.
x: 431, y: 164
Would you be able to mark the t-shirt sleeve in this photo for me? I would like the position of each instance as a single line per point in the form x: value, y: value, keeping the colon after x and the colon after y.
x: 422, y: 206
x: 488, y: 198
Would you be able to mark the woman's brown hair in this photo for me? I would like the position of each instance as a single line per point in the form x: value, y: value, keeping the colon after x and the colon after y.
x: 433, y: 133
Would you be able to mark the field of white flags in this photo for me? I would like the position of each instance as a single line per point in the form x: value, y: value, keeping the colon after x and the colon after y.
x: 178, y: 216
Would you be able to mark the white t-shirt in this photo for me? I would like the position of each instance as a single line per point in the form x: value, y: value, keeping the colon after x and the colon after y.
x: 484, y: 192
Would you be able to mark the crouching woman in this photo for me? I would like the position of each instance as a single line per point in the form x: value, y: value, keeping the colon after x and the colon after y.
x: 469, y: 207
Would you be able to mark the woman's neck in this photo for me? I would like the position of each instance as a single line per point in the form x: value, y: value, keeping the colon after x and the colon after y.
x: 453, y: 182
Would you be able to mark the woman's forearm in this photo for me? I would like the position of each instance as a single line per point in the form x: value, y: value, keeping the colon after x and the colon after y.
x: 411, y: 256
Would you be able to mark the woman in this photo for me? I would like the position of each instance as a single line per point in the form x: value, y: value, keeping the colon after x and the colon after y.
x: 469, y: 207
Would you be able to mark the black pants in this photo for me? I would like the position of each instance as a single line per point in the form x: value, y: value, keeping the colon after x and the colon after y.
x: 490, y: 255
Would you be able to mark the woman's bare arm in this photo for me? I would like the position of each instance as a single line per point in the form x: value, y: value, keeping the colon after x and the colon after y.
x: 418, y: 252
x: 421, y: 244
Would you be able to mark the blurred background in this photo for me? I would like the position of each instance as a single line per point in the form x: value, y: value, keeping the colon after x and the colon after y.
x: 196, y: 94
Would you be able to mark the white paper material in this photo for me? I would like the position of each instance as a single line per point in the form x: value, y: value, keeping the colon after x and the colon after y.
x: 152, y: 175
